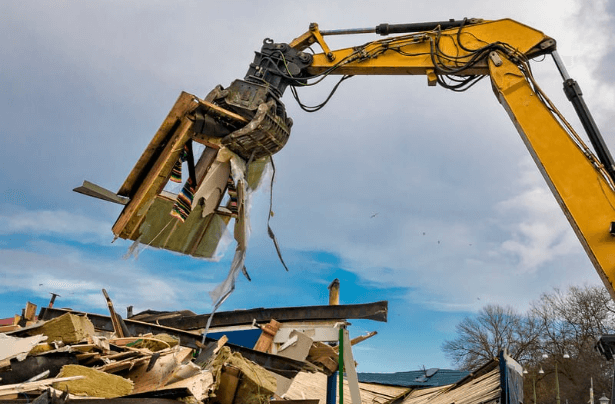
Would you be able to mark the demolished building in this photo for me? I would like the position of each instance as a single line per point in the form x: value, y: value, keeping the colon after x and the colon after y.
x: 64, y: 355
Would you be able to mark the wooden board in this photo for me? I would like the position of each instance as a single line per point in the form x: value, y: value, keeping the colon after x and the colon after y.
x: 148, y: 377
x: 184, y: 103
x: 127, y: 224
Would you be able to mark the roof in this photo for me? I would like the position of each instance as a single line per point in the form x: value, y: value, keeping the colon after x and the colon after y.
x: 417, y: 378
x: 482, y: 386
x: 477, y: 389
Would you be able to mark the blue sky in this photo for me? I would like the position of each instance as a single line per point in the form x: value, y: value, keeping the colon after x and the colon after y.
x: 463, y: 217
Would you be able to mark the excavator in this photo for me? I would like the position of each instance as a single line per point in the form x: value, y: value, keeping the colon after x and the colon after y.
x: 240, y: 127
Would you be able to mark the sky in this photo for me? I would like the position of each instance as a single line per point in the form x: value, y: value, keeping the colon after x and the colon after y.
x: 407, y: 193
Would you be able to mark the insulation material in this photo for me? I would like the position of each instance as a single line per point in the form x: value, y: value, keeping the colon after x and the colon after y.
x: 68, y: 328
x: 151, y: 344
x: 94, y: 384
x: 256, y: 384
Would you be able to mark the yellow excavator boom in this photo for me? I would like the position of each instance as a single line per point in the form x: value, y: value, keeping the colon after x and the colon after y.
x: 581, y: 182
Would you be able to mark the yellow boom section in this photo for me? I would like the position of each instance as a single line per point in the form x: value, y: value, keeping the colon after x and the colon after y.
x: 579, y: 184
x: 412, y: 53
x: 577, y: 179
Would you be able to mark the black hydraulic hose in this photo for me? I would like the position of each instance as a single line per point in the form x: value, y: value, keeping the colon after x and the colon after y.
x: 574, y: 94
x: 386, y: 29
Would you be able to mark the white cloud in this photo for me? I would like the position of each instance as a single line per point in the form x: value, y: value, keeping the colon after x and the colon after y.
x: 74, y: 226
x: 540, y: 232
x: 79, y: 279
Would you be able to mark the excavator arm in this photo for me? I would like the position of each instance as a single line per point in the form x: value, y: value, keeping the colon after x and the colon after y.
x: 246, y: 123
x: 456, y: 54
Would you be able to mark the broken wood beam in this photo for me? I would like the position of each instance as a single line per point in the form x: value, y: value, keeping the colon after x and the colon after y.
x: 96, y: 191
x: 117, y: 326
x: 127, y: 224
x: 30, y: 386
x: 358, y: 339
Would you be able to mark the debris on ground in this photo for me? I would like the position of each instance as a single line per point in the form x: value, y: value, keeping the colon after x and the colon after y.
x: 63, y: 355
x: 290, y: 356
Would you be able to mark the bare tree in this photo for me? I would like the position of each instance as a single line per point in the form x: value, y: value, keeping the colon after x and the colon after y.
x: 557, y: 336
x: 495, y: 328
x: 571, y: 322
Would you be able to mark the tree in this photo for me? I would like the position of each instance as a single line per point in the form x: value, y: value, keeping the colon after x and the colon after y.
x: 557, y: 335
x: 571, y: 322
x: 494, y: 329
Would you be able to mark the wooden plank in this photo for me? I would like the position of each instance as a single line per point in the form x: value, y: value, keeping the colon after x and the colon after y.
x: 10, y: 389
x: 266, y: 338
x: 117, y: 328
x: 30, y: 312
x: 129, y: 220
x: 96, y: 191
x: 198, y: 385
x: 148, y: 377
x: 185, y: 102
x: 217, y: 111
x: 324, y: 355
x: 358, y: 339
x: 351, y: 371
x: 8, y: 328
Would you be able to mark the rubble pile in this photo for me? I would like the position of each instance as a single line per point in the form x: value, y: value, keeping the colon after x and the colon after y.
x: 65, y: 355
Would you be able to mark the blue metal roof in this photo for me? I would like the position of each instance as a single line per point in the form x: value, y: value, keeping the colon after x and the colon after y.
x: 417, y: 378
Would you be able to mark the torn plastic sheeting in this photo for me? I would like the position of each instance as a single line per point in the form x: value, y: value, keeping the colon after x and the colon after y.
x: 242, y: 234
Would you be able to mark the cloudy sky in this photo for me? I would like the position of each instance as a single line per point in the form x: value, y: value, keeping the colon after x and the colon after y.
x: 407, y: 193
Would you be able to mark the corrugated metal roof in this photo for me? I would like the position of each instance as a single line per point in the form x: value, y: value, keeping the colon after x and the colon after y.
x: 415, y: 378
